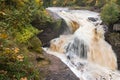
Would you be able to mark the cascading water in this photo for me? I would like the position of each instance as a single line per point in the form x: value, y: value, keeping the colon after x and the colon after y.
x: 84, y: 51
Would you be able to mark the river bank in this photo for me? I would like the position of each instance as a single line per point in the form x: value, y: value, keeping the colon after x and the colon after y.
x: 51, y: 67
x: 56, y: 70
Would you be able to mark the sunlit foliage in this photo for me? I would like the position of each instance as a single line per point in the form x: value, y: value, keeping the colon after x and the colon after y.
x: 15, y: 32
x: 97, y: 3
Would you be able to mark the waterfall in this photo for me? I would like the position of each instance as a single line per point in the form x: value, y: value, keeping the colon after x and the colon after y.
x: 84, y: 50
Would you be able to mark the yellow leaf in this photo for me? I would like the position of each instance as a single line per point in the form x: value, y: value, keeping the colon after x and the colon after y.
x: 2, y: 13
x: 24, y: 78
x: 54, y: 2
x: 16, y: 50
x: 20, y: 57
x: 3, y: 35
x: 37, y: 1
x: 7, y: 50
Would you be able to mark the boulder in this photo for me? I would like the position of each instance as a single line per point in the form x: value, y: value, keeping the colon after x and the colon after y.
x: 50, y: 29
x: 92, y: 19
x: 53, y: 28
x: 116, y: 27
x: 53, y: 11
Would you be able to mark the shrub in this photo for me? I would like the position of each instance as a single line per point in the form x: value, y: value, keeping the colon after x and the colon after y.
x: 48, y: 3
x: 26, y: 33
x: 15, y: 30
x: 100, y: 3
x: 110, y: 13
x: 36, y: 46
x: 118, y: 2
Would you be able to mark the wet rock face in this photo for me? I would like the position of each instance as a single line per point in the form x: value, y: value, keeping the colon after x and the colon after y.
x: 116, y: 27
x: 57, y: 70
x: 51, y: 30
x: 63, y: 75
x: 47, y: 35
x: 114, y: 39
x: 53, y: 11
x: 78, y: 47
x: 93, y: 19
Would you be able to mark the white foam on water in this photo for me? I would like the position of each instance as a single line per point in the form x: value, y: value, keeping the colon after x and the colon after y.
x: 89, y: 71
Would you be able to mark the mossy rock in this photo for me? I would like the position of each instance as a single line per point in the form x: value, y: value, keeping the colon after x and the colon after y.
x: 114, y: 38
x: 51, y: 30
x: 35, y: 44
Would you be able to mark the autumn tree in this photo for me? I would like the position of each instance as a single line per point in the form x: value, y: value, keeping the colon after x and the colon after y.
x: 15, y: 32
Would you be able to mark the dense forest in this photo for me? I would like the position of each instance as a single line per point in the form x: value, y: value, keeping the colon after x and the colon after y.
x: 19, y: 21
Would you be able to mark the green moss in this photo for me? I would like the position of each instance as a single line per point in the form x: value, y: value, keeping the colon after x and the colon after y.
x: 35, y: 44
x: 17, y: 70
x: 57, y: 24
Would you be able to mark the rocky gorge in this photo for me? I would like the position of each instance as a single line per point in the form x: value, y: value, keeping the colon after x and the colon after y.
x: 51, y: 32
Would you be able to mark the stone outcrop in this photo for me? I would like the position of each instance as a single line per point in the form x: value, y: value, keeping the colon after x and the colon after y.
x: 51, y: 29
x: 116, y: 27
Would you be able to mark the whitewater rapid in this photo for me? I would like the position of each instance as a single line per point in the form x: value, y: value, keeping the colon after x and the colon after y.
x: 84, y: 49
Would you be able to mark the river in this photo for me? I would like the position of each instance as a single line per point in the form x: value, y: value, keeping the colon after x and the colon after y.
x: 84, y: 49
